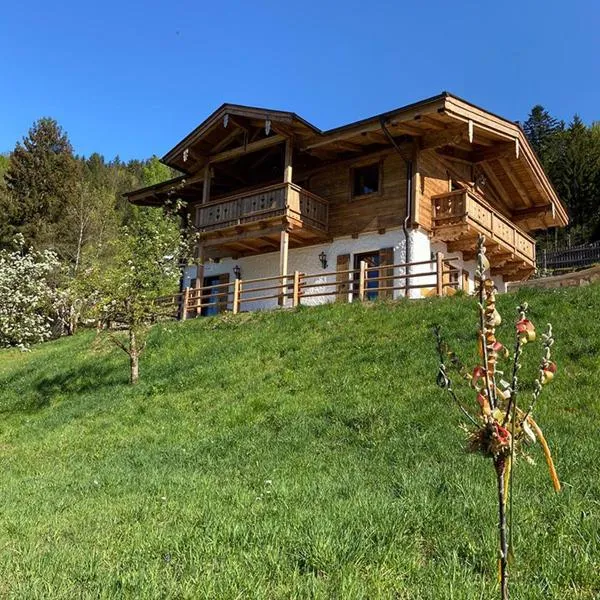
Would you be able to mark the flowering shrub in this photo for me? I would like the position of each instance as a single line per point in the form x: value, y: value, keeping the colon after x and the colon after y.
x: 26, y: 298
x: 501, y: 426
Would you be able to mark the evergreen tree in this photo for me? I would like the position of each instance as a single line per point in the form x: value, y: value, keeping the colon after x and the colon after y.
x: 541, y: 129
x: 41, y: 180
x: 577, y: 177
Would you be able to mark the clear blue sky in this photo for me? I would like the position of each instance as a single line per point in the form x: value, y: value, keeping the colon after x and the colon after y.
x: 132, y: 78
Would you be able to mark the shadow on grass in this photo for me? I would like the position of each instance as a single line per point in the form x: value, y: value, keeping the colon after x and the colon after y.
x: 92, y: 376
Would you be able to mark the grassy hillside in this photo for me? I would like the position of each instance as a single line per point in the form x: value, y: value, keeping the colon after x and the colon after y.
x: 290, y: 455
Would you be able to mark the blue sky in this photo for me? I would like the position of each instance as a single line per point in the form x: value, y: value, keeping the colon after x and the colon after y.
x: 132, y: 78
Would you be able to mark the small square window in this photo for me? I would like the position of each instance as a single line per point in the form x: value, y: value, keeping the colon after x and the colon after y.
x: 365, y: 180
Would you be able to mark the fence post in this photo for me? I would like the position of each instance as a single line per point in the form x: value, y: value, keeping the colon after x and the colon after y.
x: 545, y: 260
x: 185, y: 298
x: 235, y: 306
x: 296, y: 295
x: 439, y: 269
x: 362, y: 277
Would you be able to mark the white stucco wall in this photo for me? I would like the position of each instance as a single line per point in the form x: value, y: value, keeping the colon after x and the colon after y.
x: 306, y: 260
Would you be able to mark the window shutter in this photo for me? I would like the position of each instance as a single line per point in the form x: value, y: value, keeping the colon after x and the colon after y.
x: 222, y: 302
x: 342, y: 279
x: 386, y: 257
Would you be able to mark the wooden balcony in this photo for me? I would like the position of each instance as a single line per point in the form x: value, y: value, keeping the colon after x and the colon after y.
x: 252, y: 219
x: 460, y: 216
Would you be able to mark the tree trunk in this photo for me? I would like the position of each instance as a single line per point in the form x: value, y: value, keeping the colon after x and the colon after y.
x: 500, y: 465
x: 134, y: 358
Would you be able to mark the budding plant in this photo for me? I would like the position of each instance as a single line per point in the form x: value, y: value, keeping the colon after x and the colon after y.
x: 502, y: 425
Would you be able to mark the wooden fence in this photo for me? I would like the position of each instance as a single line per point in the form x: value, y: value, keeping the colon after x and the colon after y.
x: 569, y: 258
x: 438, y: 276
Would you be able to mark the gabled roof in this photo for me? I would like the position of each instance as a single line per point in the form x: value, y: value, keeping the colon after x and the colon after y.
x: 287, y: 120
x: 442, y: 120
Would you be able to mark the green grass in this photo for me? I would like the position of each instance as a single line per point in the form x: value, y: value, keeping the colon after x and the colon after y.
x: 301, y: 454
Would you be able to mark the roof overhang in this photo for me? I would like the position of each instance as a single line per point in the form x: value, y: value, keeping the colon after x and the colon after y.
x: 199, y: 142
x: 443, y: 123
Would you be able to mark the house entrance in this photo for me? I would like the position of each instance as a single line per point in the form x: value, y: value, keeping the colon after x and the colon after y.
x: 373, y: 259
x: 215, y: 299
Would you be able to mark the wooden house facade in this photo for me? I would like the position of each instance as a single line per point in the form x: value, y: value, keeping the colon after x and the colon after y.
x: 269, y: 194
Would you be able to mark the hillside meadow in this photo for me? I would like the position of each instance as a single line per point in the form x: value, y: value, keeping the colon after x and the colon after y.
x: 297, y: 454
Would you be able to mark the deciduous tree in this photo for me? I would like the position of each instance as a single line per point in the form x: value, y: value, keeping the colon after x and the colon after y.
x: 144, y: 267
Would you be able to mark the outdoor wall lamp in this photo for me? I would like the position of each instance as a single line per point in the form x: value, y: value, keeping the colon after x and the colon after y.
x: 237, y: 271
x: 323, y: 259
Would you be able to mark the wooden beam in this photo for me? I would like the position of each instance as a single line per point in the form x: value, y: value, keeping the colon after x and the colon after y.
x: 502, y: 195
x: 252, y: 147
x: 261, y: 159
x: 230, y: 239
x: 246, y: 246
x: 515, y: 182
x: 282, y: 129
x: 406, y: 128
x: 231, y: 172
x: 457, y: 154
x: 500, y: 150
x: 226, y: 140
x: 451, y: 136
x: 351, y: 146
x: 283, y: 264
x: 287, y: 165
x: 431, y: 120
x: 206, y: 184
x: 269, y: 241
x: 200, y: 258
x: 462, y: 245
x: 415, y: 187
x: 533, y: 212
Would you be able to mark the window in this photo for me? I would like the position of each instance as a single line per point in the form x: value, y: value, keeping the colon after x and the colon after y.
x: 366, y: 180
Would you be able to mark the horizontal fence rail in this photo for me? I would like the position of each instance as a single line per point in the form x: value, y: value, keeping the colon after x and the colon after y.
x: 437, y: 277
x: 569, y: 258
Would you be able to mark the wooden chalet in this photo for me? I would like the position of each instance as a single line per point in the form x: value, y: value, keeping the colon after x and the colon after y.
x: 271, y: 195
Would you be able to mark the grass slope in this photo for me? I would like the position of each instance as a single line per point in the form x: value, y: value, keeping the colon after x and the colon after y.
x: 302, y: 454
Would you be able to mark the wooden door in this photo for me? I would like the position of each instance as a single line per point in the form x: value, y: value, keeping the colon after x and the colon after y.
x: 342, y: 279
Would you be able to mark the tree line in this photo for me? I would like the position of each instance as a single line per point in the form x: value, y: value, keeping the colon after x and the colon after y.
x: 570, y: 155
x: 73, y: 250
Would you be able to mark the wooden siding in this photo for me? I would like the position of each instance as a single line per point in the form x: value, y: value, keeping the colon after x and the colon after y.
x: 372, y: 212
x: 433, y: 177
x: 436, y: 173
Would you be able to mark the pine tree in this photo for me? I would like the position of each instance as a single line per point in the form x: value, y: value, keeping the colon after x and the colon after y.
x: 577, y: 179
x: 542, y: 129
x: 41, y: 180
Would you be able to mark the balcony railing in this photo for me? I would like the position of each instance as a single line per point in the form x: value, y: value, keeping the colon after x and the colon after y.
x: 462, y: 210
x: 280, y: 200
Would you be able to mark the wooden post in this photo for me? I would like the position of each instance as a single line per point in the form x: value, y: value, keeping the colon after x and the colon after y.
x: 185, y: 299
x: 206, y: 184
x: 287, y: 166
x: 439, y: 269
x: 362, y: 277
x: 199, y: 277
x: 237, y: 284
x: 283, y: 265
x: 296, y: 297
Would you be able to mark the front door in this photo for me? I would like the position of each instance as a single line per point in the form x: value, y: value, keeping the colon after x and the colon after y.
x: 373, y: 260
x: 211, y: 297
